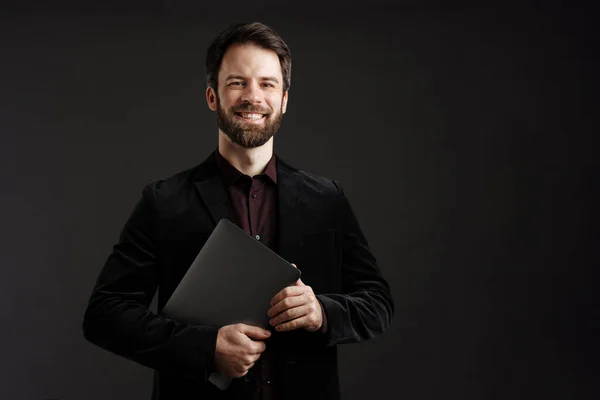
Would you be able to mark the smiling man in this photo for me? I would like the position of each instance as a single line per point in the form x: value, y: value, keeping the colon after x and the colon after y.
x: 342, y: 296
x: 252, y: 93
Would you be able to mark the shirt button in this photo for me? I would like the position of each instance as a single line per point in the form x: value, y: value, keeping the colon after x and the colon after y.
x: 253, y: 195
x: 257, y: 237
x: 268, y: 382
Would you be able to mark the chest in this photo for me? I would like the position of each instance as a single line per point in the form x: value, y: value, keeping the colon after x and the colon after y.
x: 307, y: 238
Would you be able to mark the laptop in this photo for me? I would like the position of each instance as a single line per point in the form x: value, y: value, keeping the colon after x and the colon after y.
x: 232, y: 280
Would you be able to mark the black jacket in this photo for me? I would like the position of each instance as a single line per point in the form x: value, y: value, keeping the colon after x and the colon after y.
x: 318, y: 231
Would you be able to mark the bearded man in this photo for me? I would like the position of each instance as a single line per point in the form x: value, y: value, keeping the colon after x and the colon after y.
x: 307, y: 219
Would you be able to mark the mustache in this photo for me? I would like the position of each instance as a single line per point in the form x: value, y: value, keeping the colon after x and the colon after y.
x: 251, y: 109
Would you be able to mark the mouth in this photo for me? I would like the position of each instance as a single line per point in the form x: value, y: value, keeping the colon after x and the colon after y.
x: 251, y: 117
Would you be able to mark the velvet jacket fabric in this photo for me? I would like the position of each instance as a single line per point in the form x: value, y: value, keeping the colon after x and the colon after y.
x: 317, y: 230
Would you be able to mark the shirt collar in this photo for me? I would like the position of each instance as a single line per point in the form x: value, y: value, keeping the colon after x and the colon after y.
x: 230, y: 174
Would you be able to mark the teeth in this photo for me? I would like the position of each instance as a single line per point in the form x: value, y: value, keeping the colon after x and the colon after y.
x: 251, y: 115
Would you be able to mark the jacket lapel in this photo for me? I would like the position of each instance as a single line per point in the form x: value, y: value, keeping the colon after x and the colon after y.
x: 290, y: 215
x: 209, y: 185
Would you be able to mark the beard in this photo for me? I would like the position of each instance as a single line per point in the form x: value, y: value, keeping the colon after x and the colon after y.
x: 247, y: 134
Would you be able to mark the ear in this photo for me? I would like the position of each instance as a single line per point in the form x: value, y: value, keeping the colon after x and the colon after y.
x: 211, y: 98
x: 284, y: 102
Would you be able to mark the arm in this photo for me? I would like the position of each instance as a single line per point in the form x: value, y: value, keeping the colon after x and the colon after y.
x: 118, y: 319
x: 365, y: 307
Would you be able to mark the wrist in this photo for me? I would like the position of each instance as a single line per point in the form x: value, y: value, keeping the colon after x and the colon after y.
x: 323, y: 327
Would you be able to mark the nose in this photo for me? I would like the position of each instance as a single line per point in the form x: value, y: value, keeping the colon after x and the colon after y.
x: 252, y: 94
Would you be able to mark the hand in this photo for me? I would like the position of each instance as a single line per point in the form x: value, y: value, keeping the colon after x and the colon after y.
x: 236, y: 351
x: 296, y: 307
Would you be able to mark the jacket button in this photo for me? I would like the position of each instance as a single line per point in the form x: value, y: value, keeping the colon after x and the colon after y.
x: 249, y: 376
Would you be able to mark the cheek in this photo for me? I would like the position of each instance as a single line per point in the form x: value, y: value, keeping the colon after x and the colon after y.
x: 227, y: 99
x: 276, y: 104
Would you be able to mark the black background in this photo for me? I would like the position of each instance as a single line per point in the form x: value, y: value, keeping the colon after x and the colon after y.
x: 463, y: 136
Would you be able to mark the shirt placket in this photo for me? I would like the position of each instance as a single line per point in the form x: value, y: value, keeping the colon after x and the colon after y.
x: 254, y: 198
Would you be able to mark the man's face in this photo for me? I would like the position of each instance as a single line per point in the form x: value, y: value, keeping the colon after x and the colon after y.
x: 250, y: 102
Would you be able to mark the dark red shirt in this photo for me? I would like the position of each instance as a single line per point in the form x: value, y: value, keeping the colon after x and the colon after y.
x: 254, y: 209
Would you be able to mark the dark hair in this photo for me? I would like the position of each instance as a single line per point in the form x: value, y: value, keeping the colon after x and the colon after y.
x: 255, y: 33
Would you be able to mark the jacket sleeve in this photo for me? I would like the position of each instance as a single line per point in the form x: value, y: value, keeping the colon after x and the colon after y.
x: 118, y: 318
x: 364, y: 308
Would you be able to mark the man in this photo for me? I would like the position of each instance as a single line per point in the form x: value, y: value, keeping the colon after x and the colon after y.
x: 341, y: 297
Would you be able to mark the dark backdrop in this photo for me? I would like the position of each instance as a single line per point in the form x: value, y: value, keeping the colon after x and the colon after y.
x: 464, y: 138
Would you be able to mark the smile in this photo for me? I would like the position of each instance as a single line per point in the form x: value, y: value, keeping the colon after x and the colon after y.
x: 250, y: 116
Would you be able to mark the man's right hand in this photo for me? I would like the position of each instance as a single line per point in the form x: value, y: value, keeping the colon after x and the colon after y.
x: 239, y: 346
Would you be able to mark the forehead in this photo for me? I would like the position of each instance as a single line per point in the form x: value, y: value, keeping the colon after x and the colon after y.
x: 251, y: 61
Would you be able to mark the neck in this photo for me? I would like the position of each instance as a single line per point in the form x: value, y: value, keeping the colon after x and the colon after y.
x: 250, y: 162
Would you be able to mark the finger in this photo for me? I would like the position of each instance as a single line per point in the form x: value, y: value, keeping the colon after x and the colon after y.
x: 251, y: 359
x: 292, y: 313
x: 254, y: 332
x: 287, y: 292
x: 294, y: 324
x: 241, y: 370
x: 257, y: 348
x: 288, y: 302
x: 299, y: 281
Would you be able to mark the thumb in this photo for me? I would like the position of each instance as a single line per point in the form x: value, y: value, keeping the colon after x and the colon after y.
x: 255, y: 332
x: 299, y: 281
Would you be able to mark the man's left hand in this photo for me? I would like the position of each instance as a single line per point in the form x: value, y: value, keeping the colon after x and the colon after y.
x: 296, y: 307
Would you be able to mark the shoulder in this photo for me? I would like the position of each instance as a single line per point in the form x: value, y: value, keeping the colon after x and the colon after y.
x: 171, y: 192
x: 178, y: 186
x: 313, y: 183
x: 165, y: 187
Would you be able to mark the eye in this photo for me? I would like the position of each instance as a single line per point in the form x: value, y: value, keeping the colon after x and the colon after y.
x: 267, y: 84
x: 235, y: 83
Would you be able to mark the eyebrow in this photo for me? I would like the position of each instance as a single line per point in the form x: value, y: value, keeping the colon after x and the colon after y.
x: 262, y: 78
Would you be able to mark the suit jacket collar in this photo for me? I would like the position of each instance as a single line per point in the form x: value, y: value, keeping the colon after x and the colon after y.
x: 290, y: 205
x: 208, y: 183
